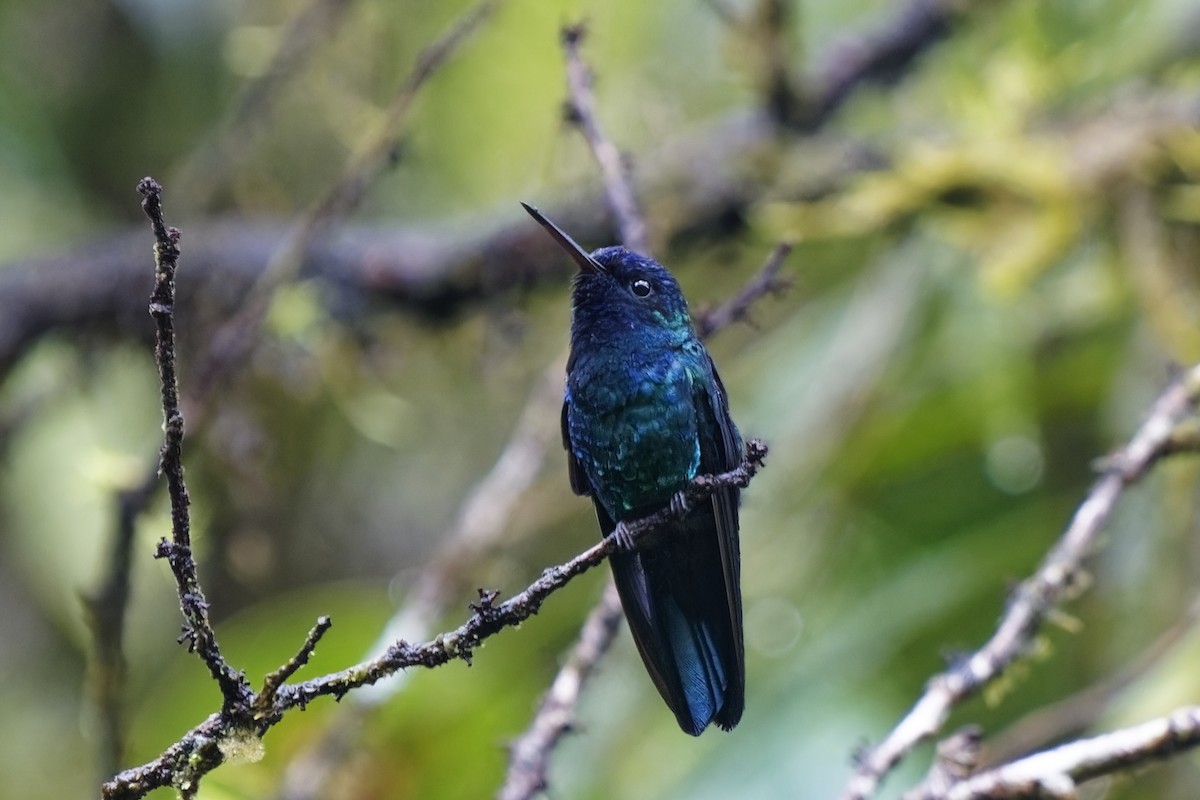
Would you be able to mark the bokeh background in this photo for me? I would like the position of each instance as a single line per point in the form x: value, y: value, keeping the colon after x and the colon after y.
x: 995, y: 270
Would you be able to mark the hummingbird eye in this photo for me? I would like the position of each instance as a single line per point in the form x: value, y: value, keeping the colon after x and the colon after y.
x: 640, y: 287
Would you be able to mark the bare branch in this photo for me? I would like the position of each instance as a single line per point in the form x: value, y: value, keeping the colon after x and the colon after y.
x: 767, y: 281
x: 210, y: 164
x: 106, y: 607
x: 235, y: 340
x: 1060, y: 720
x: 581, y: 112
x: 1037, y: 596
x: 529, y: 754
x: 882, y: 56
x: 1056, y: 773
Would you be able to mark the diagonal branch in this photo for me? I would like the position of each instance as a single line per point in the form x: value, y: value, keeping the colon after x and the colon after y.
x: 1039, y: 595
x: 233, y: 342
x: 736, y: 308
x: 581, y: 111
x: 490, y: 618
x: 1056, y: 773
x: 529, y: 754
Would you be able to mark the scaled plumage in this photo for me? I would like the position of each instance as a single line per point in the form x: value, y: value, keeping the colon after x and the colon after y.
x: 644, y: 413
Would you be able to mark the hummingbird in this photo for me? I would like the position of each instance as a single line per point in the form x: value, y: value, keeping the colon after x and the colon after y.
x: 644, y: 413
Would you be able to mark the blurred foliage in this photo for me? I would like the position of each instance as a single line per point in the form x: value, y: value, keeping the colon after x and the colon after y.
x: 977, y: 317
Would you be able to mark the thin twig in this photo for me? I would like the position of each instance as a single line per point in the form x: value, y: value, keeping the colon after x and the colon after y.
x: 209, y: 165
x: 581, y: 112
x: 197, y: 630
x: 276, y: 678
x: 233, y: 342
x: 1037, y: 596
x: 736, y: 308
x: 1056, y: 773
x: 106, y: 607
x: 882, y: 56
x: 529, y: 754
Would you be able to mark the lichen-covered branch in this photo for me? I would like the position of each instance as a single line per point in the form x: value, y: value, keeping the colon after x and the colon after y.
x: 197, y: 631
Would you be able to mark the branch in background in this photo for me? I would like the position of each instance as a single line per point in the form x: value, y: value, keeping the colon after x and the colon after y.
x: 1038, y: 596
x: 197, y: 631
x: 233, y: 342
x: 736, y: 308
x: 438, y: 272
x: 768, y: 34
x: 1057, y: 773
x: 209, y: 165
x: 1076, y: 713
x: 613, y: 170
x: 529, y: 754
x: 106, y: 607
x: 885, y: 56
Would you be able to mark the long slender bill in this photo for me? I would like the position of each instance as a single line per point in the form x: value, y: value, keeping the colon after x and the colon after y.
x: 581, y: 257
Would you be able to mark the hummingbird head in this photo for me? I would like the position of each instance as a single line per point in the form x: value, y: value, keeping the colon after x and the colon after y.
x: 616, y: 285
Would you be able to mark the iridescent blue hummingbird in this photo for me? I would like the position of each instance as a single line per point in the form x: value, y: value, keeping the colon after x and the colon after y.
x: 644, y: 413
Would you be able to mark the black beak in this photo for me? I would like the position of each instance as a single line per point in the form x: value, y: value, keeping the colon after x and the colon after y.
x: 581, y: 257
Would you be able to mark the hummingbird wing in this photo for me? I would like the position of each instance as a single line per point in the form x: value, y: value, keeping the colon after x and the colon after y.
x: 720, y: 451
x: 579, y: 480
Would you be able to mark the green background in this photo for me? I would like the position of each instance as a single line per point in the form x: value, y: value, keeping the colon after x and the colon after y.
x: 995, y: 270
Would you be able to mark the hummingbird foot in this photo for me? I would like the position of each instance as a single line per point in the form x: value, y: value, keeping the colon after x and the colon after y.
x: 679, y: 504
x: 623, y: 538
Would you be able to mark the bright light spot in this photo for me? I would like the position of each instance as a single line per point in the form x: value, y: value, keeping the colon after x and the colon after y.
x: 773, y: 626
x: 1014, y: 464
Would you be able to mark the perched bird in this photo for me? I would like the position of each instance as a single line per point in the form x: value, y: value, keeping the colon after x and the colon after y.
x: 644, y: 413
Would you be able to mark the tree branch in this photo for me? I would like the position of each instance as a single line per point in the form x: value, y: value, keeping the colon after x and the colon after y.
x: 613, y: 169
x: 736, y: 308
x: 1056, y: 773
x: 1039, y: 595
x: 529, y: 754
x: 209, y: 165
x: 197, y: 631
x: 233, y: 342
